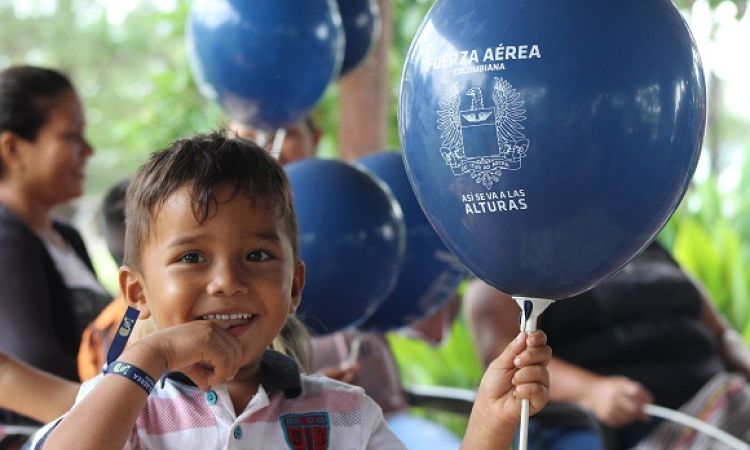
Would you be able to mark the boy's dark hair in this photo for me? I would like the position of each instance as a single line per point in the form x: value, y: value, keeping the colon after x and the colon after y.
x: 204, y: 163
x: 113, y: 220
x: 27, y: 93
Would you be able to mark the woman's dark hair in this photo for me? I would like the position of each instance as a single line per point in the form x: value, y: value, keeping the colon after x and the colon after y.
x: 26, y: 95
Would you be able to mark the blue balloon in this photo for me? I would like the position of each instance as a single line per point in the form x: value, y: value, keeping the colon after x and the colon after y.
x: 352, y: 240
x: 547, y: 141
x: 362, y: 27
x: 431, y: 274
x: 266, y: 62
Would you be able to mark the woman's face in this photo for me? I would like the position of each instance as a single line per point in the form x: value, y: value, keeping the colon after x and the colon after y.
x: 53, y: 164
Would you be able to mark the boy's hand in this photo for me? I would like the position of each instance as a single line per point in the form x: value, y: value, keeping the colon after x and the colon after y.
x: 200, y: 349
x: 520, y: 372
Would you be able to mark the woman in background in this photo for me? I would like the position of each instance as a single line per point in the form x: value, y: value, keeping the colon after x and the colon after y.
x: 48, y: 289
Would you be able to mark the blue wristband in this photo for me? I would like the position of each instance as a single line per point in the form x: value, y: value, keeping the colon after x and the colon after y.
x: 123, y: 333
x: 133, y: 374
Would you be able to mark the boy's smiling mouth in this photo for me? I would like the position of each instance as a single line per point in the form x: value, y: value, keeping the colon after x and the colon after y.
x: 225, y: 316
x: 235, y: 324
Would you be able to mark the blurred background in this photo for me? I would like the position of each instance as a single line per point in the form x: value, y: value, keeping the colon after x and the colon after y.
x: 129, y: 61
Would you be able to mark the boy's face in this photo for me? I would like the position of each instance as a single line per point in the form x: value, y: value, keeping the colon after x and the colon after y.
x: 236, y: 269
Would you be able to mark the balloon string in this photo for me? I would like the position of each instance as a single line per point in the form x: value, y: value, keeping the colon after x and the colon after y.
x: 692, y: 422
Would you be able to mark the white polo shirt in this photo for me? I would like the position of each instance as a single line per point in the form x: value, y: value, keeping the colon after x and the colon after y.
x: 290, y: 411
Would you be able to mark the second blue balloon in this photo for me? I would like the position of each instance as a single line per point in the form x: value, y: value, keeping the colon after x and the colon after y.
x: 352, y: 241
x: 431, y: 274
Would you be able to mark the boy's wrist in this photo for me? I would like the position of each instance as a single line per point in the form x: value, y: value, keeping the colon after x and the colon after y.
x: 132, y: 373
x: 488, y: 417
x: 146, y: 356
x: 485, y: 430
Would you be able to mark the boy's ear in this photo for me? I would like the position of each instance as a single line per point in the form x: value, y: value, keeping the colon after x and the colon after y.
x: 298, y: 283
x: 132, y: 288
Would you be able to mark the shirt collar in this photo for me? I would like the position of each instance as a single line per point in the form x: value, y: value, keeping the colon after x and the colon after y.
x: 278, y: 373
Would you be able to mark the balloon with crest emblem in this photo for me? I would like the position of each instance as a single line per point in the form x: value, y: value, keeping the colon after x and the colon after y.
x: 549, y: 142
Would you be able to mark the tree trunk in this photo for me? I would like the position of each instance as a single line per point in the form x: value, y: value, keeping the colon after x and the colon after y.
x: 364, y: 98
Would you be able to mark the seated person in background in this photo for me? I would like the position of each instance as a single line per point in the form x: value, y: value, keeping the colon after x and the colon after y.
x: 212, y: 255
x: 298, y: 140
x: 43, y: 396
x: 436, y: 327
x: 646, y: 335
x: 48, y: 289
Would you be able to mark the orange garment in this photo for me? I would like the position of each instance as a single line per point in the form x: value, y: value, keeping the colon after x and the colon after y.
x: 97, y: 338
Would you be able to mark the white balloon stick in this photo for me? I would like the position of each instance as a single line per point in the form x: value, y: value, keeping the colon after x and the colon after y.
x: 261, y: 137
x: 278, y: 141
x: 531, y: 309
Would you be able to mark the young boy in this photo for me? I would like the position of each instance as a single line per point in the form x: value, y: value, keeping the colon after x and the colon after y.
x: 212, y: 256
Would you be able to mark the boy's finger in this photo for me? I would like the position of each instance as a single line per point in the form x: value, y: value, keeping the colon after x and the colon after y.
x: 530, y: 390
x: 531, y: 374
x: 199, y: 375
x: 224, y: 356
x: 512, y: 350
x: 536, y: 338
x: 228, y: 353
x: 534, y: 355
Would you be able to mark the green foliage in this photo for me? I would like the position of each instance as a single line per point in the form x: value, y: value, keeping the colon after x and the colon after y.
x: 706, y: 240
x: 133, y: 76
x: 407, y: 16
x: 741, y: 5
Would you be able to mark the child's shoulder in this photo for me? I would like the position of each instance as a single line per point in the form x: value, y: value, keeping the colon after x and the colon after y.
x: 315, y: 383
x: 320, y: 393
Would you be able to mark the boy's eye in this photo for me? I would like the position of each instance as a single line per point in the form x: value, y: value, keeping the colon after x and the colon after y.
x: 258, y: 256
x: 191, y: 258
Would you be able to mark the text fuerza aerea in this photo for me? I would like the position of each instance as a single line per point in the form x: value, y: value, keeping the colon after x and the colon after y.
x: 465, y: 58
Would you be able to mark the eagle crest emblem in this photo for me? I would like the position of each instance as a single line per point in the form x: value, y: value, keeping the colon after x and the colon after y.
x: 463, y: 132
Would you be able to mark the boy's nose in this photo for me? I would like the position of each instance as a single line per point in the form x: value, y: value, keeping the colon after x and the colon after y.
x: 228, y: 279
